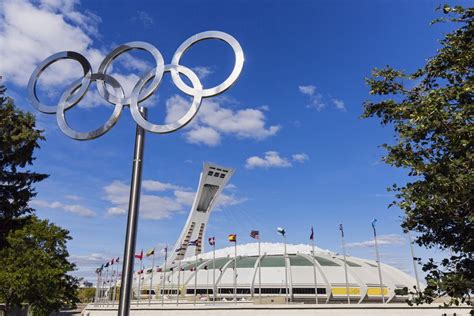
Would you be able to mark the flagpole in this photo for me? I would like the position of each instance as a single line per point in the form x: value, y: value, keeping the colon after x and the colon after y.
x: 207, y: 283
x: 140, y: 280
x: 115, y: 284
x: 259, y: 271
x: 105, y: 285
x: 151, y: 278
x: 109, y: 284
x: 378, y: 262
x: 214, y: 288
x: 286, y: 272
x: 97, y: 288
x: 314, y: 272
x: 235, y: 270
x: 195, y: 276
x: 179, y: 275
x: 414, y: 261
x: 345, y: 265
x: 164, y: 276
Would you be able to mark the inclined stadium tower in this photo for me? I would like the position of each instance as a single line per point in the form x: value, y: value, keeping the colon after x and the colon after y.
x: 188, y: 275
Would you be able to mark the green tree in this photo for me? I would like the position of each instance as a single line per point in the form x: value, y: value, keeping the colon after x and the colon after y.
x: 432, y: 112
x: 35, y: 268
x: 18, y: 139
x: 33, y: 255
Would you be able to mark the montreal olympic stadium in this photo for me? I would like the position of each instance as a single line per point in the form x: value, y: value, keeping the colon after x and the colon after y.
x: 190, y: 274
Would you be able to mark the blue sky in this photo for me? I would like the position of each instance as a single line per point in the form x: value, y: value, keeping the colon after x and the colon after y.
x: 290, y: 125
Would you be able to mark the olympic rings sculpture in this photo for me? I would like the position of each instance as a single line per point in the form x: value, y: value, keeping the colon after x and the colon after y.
x: 141, y: 91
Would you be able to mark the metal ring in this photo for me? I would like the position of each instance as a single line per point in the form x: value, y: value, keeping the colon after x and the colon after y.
x: 170, y: 127
x: 158, y: 71
x: 85, y: 81
x: 63, y: 102
x: 239, y: 63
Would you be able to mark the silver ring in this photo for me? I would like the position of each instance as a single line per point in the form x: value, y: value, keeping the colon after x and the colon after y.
x: 158, y: 71
x: 239, y: 63
x: 85, y: 81
x: 64, y: 101
x: 181, y: 122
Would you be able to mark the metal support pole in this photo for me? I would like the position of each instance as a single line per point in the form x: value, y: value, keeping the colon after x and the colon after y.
x: 214, y: 288
x: 314, y: 274
x: 414, y: 262
x: 179, y: 284
x: 151, y: 278
x: 345, y: 271
x: 286, y: 273
x: 132, y: 222
x: 235, y: 271
x: 378, y: 266
x: 259, y: 272
x: 97, y: 288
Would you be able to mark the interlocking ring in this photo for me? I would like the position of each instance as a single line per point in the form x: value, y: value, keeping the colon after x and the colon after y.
x: 141, y: 91
x: 64, y: 104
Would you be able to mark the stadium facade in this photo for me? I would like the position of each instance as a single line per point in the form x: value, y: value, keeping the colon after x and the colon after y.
x: 190, y: 274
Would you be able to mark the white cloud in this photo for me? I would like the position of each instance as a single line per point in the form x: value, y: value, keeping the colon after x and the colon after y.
x: 302, y: 157
x: 213, y: 120
x: 203, y: 135
x: 32, y: 31
x: 318, y: 101
x: 308, y: 90
x: 382, y: 240
x: 73, y: 197
x: 202, y: 71
x: 153, y: 185
x: 272, y: 159
x: 70, y: 208
x: 158, y: 207
x: 144, y: 18
x: 339, y: 104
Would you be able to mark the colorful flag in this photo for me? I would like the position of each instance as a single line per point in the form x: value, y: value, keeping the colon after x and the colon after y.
x: 341, y: 229
x: 139, y: 256
x: 194, y: 242
x: 255, y: 234
x: 311, y: 236
x: 281, y: 231
x: 150, y: 252
x: 232, y: 238
x: 212, y: 241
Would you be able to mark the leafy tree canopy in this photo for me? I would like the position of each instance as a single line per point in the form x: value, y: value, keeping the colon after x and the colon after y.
x: 432, y: 112
x: 35, y: 266
x: 18, y: 139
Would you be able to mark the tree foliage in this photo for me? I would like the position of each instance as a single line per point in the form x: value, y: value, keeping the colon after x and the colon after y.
x: 34, y: 262
x: 35, y: 268
x: 18, y: 139
x: 432, y: 112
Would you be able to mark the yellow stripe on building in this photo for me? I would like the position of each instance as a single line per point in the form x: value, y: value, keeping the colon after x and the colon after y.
x: 375, y: 291
x: 343, y: 291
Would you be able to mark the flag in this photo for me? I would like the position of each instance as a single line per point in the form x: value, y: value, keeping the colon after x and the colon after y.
x: 179, y: 249
x: 117, y: 260
x: 281, y: 231
x: 107, y: 265
x: 232, y: 238
x: 212, y: 241
x: 150, y: 252
x: 341, y: 229
x: 165, y: 251
x: 159, y: 270
x: 311, y: 236
x: 139, y: 256
x: 98, y: 270
x: 255, y: 234
x: 194, y: 242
